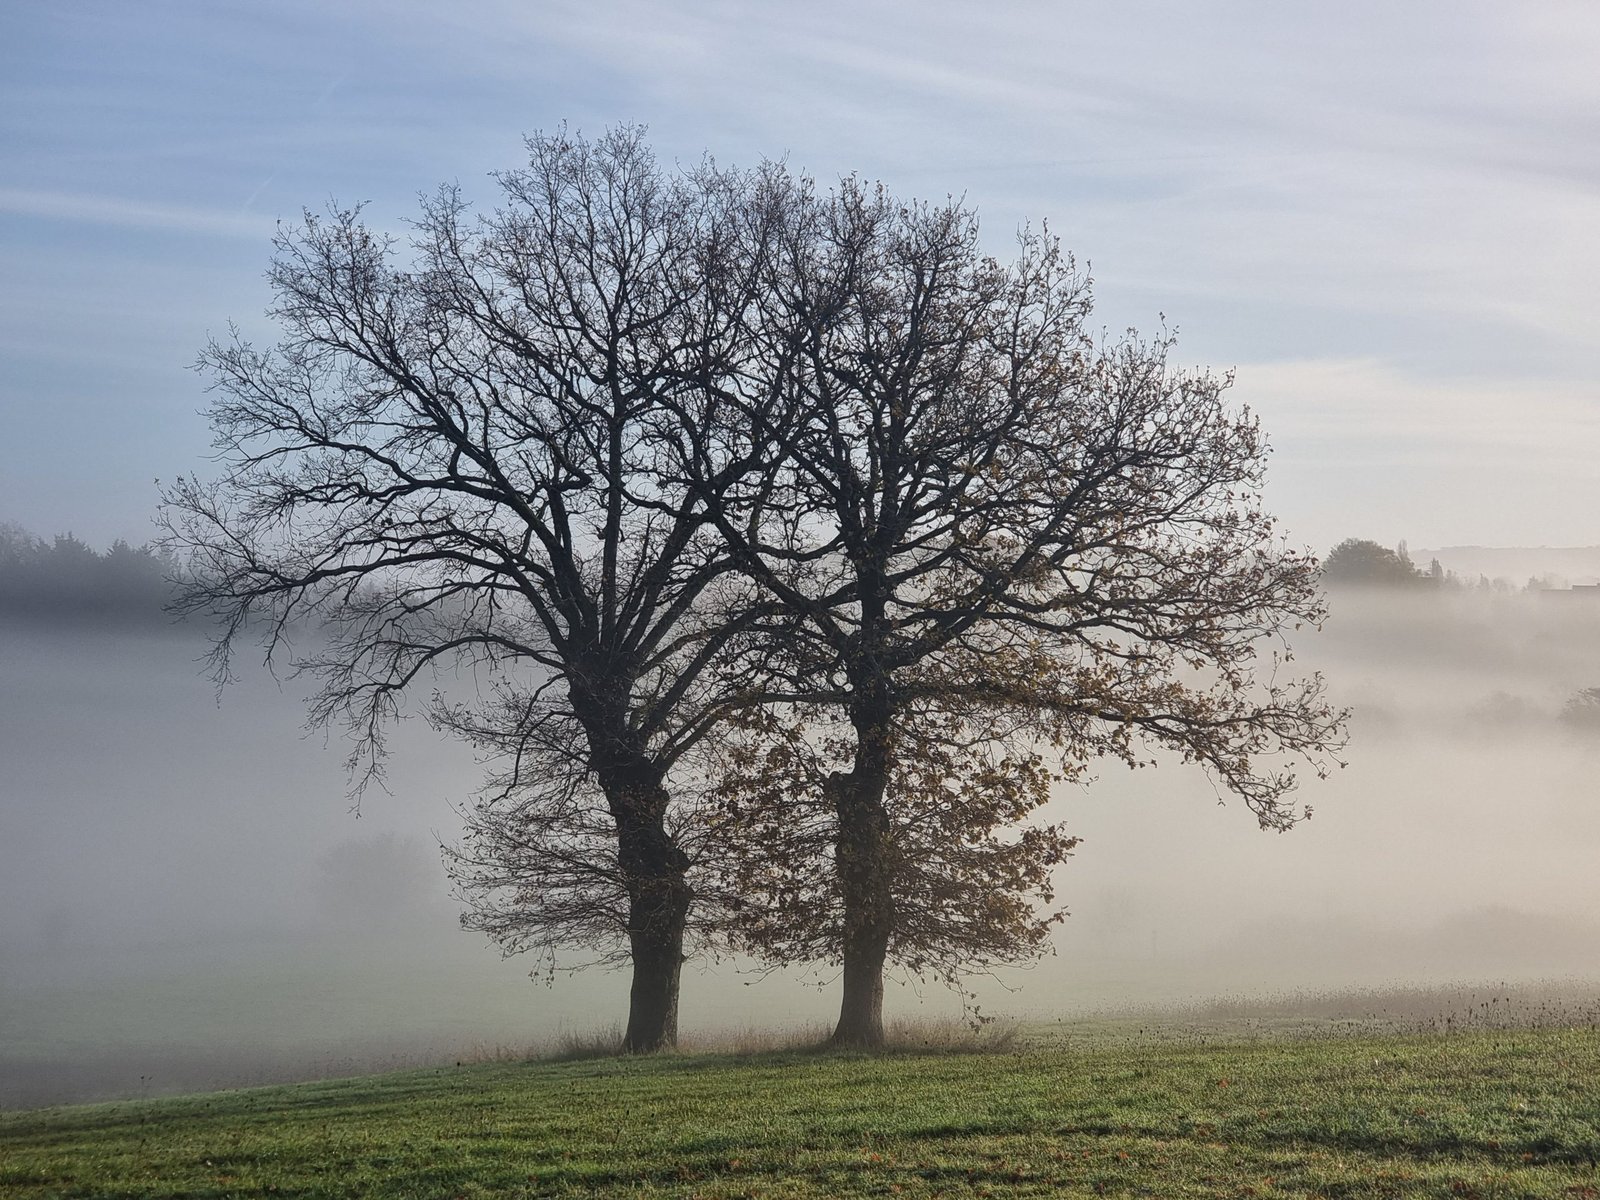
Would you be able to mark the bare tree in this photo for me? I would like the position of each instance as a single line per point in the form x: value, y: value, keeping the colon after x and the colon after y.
x: 993, y: 539
x: 456, y: 462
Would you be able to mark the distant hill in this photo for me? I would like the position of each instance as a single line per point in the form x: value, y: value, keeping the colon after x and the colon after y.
x: 1568, y: 564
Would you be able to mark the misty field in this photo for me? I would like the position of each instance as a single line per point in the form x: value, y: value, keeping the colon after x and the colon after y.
x: 1488, y: 1113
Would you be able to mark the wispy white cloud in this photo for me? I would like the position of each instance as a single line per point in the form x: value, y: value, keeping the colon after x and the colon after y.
x: 1428, y: 164
x: 81, y: 208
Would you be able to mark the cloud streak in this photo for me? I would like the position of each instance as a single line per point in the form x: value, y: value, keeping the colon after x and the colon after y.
x: 125, y: 213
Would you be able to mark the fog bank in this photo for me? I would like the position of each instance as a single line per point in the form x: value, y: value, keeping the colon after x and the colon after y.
x: 188, y: 900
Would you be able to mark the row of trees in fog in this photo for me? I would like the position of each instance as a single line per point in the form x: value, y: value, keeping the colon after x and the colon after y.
x: 1360, y: 562
x: 66, y: 577
x: 797, y: 547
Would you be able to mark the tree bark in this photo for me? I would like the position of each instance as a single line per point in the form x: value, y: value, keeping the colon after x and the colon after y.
x: 659, y: 898
x: 861, y: 1007
x: 865, y: 870
x: 656, y: 922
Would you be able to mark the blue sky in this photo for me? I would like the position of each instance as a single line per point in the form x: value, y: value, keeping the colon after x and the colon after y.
x: 1384, y: 217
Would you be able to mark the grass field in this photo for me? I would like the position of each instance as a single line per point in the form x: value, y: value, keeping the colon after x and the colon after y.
x: 1491, y: 1112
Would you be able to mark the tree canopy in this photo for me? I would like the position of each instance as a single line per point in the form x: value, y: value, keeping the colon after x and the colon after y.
x: 1357, y: 562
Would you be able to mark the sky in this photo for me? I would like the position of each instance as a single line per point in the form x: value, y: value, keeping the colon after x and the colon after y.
x: 1381, y: 217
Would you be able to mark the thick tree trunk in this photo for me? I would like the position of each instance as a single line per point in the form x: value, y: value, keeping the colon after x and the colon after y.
x: 659, y: 898
x: 862, y: 858
x: 655, y: 934
x: 861, y: 1007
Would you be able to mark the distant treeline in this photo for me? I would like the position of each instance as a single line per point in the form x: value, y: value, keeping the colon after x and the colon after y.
x: 64, y: 578
x: 1358, y: 562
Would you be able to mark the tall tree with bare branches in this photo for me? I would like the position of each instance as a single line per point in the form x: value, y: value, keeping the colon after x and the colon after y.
x: 456, y: 461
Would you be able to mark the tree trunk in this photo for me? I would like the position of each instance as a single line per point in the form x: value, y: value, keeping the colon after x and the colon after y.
x: 655, y: 935
x: 861, y: 1008
x: 865, y: 870
x: 659, y: 898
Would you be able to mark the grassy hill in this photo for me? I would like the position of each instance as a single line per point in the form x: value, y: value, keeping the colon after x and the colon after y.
x: 1497, y: 1112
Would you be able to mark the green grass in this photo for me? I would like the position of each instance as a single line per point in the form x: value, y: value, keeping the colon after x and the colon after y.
x: 1509, y: 1112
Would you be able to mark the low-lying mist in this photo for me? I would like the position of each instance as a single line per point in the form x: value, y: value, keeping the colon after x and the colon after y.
x: 187, y: 898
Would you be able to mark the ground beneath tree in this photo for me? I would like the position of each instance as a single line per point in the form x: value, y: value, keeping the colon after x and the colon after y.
x: 1496, y: 1111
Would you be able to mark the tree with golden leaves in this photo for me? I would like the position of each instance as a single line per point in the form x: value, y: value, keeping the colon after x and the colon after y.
x: 1001, y: 550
